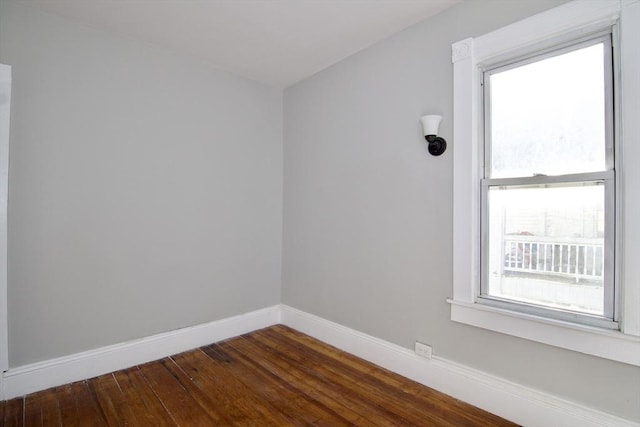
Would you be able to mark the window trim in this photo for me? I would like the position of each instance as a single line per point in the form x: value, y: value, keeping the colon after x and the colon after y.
x: 568, y: 22
x: 5, y: 111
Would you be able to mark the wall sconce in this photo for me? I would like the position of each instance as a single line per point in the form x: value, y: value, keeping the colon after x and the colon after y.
x: 430, y: 124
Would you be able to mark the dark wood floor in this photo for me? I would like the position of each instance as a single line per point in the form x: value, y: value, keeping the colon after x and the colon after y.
x: 275, y: 376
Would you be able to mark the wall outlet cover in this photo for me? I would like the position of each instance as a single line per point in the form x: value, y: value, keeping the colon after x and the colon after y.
x: 423, y: 350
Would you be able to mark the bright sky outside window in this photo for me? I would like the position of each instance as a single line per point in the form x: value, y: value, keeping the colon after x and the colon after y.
x: 548, y: 117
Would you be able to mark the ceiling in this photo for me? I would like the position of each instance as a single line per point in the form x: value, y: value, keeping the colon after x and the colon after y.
x: 277, y: 42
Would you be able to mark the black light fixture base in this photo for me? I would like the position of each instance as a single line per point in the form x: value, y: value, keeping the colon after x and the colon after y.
x: 437, y: 145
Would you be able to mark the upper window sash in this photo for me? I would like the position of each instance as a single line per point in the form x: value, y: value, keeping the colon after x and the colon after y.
x: 601, y: 37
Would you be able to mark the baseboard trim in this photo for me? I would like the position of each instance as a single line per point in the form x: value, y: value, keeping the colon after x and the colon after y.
x: 523, y: 405
x: 63, y: 370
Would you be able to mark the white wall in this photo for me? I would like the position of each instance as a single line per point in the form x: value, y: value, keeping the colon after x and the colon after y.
x: 368, y: 212
x: 145, y: 189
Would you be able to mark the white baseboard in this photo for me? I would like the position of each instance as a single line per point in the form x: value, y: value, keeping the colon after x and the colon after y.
x: 520, y: 404
x: 63, y: 370
x: 515, y: 402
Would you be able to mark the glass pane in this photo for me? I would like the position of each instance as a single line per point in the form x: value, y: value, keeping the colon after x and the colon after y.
x: 548, y: 117
x: 546, y: 246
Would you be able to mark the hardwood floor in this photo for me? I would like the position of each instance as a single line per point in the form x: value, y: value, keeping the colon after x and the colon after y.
x: 272, y: 377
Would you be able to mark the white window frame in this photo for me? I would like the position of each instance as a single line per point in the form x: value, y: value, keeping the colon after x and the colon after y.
x: 606, y: 177
x: 564, y: 23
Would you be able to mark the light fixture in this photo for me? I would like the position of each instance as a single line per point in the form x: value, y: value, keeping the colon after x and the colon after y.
x: 430, y: 124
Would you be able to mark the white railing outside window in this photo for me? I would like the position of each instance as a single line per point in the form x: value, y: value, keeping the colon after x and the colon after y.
x: 575, y: 258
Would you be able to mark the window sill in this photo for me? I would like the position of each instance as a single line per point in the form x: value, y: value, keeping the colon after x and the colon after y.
x: 613, y: 345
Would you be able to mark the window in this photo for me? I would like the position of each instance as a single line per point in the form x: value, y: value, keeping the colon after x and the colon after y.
x: 546, y: 240
x: 548, y: 186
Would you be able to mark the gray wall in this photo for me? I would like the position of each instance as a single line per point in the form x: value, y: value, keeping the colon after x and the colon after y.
x: 145, y: 189
x: 368, y: 212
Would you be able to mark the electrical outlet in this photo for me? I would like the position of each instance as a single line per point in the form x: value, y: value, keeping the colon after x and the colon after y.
x: 423, y: 350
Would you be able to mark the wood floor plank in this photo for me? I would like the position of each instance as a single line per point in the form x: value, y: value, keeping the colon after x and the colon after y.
x: 396, y: 405
x: 272, y: 377
x: 105, y: 399
x: 215, y: 380
x: 41, y: 409
x: 402, y: 405
x: 32, y: 414
x: 14, y: 412
x: 87, y: 407
x: 69, y: 414
x: 285, y: 396
x: 375, y: 377
x: 274, y: 393
x: 142, y: 399
x: 215, y: 408
x: 50, y: 408
x: 351, y: 361
x: 175, y: 398
x: 112, y: 401
x: 328, y: 392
